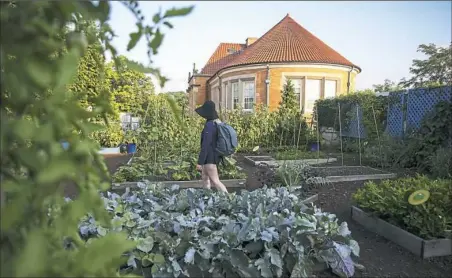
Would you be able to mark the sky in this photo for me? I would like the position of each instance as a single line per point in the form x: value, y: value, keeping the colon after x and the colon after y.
x: 380, y: 37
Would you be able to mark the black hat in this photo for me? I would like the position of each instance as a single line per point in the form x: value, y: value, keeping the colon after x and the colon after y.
x: 207, y: 111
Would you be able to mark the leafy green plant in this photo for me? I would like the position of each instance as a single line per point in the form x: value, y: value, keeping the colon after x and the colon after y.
x: 388, y: 152
x: 389, y: 201
x: 441, y: 163
x: 263, y: 233
x: 108, y: 136
x: 297, y: 175
x: 181, y: 170
x: 38, y: 63
x: 435, y: 133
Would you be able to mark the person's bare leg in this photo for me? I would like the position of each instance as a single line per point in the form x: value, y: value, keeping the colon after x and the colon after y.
x: 205, y: 178
x: 212, y: 172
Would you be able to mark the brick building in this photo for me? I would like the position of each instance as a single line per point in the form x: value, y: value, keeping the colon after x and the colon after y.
x: 255, y: 72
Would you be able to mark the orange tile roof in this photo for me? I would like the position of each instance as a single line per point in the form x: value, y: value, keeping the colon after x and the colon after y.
x: 221, y: 57
x: 286, y: 42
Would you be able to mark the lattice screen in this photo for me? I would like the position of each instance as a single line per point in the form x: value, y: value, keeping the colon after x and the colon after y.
x: 422, y: 101
x: 395, y: 119
x: 419, y: 102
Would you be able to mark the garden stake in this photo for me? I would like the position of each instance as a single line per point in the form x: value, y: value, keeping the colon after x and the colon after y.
x: 334, y: 129
x: 318, y: 133
x: 378, y: 135
x: 294, y: 130
x: 359, y: 135
x: 299, y: 131
x: 340, y: 132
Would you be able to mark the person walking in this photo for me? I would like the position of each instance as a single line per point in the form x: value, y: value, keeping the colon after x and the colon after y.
x: 209, y: 158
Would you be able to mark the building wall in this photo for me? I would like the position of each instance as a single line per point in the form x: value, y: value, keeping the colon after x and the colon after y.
x: 197, y: 92
x: 277, y: 78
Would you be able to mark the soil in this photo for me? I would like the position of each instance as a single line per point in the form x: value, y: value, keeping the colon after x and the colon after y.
x: 112, y: 163
x: 380, y: 257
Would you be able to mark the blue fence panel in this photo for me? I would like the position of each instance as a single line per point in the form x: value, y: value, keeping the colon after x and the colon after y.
x: 395, y: 115
x: 421, y: 101
x: 353, y: 129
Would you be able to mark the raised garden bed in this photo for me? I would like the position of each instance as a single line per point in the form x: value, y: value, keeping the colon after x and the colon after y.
x: 171, y: 171
x: 259, y: 160
x: 352, y: 173
x: 421, y: 247
x: 255, y: 160
x: 236, y: 183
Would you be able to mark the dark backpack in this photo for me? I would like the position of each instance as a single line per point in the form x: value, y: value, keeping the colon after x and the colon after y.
x: 226, y: 139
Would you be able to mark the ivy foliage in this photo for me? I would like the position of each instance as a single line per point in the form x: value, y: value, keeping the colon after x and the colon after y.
x: 90, y: 84
x: 374, y: 109
x: 38, y: 110
x: 131, y: 88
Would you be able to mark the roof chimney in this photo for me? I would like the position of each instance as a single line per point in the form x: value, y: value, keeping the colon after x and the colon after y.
x: 250, y: 41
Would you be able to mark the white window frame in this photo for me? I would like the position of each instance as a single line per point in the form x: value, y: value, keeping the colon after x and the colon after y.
x: 335, y: 88
x: 298, y: 80
x: 244, y: 97
x: 235, y: 88
x: 307, y: 97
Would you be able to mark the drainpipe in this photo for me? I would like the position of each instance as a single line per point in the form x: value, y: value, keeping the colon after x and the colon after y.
x: 267, y: 88
x: 220, y: 94
x: 348, y: 79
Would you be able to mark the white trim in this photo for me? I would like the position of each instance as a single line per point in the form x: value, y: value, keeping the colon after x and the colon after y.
x: 297, y: 74
x: 294, y: 65
x: 215, y: 97
x: 243, y: 95
x: 306, y: 75
x: 243, y: 76
x: 214, y: 82
x: 311, y: 99
x: 300, y: 78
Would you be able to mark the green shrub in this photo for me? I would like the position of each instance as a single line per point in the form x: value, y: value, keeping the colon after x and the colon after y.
x: 263, y: 233
x: 108, y: 136
x: 387, y: 153
x: 441, y: 163
x: 389, y: 201
x: 38, y: 62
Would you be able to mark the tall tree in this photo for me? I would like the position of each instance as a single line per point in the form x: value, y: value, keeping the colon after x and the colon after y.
x: 387, y: 86
x: 131, y: 88
x: 435, y: 70
x: 289, y: 101
x: 181, y: 98
x: 89, y: 83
